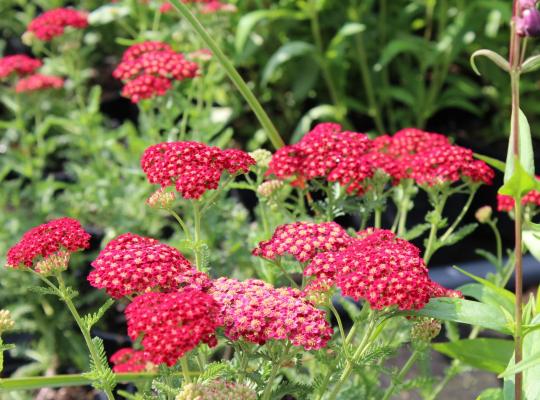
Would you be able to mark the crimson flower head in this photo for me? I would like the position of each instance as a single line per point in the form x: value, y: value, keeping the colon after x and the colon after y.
x: 47, y: 247
x: 149, y: 68
x: 172, y: 324
x: 303, y: 240
x: 192, y: 167
x: 37, y: 82
x: 128, y: 360
x: 255, y: 311
x: 133, y: 264
x: 19, y: 64
x: 52, y: 23
x: 380, y: 268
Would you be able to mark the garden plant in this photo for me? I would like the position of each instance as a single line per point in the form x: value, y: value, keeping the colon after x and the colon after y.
x: 190, y: 210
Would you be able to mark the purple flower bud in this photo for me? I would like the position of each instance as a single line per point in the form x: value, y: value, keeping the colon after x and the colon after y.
x: 526, y: 4
x: 529, y: 23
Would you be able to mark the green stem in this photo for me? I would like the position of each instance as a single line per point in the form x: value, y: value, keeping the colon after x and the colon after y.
x: 197, y: 234
x: 180, y: 222
x: 462, y: 214
x: 401, y: 375
x: 185, y: 369
x: 432, y: 240
x: 286, y: 274
x: 233, y: 74
x: 64, y: 295
x: 273, y: 374
x: 339, y: 322
x: 57, y: 381
x: 498, y: 242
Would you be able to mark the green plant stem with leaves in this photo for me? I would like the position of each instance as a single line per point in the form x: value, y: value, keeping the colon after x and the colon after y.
x: 66, y: 295
x: 402, y: 373
x: 233, y: 74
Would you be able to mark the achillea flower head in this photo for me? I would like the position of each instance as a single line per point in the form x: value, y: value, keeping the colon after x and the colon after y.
x: 425, y: 330
x: 133, y: 264
x: 257, y: 312
x: 303, y: 240
x: 268, y: 188
x: 192, y: 167
x: 149, y: 68
x: 172, y: 323
x: 18, y: 64
x: 51, y: 239
x: 161, y: 199
x: 380, y: 268
x: 214, y: 6
x: 52, y: 23
x: 216, y: 390
x: 262, y: 157
x: 37, y: 82
x: 128, y: 360
x: 6, y: 322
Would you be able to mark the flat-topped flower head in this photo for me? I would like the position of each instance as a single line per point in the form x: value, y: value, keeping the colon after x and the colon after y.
x: 128, y: 360
x: 257, y: 312
x: 148, y: 69
x: 216, y: 390
x: 52, y: 23
x: 133, y: 264
x: 192, y: 167
x: 18, y: 64
x: 449, y: 164
x: 38, y: 82
x: 303, y: 240
x: 380, y: 268
x: 57, y: 239
x: 171, y: 324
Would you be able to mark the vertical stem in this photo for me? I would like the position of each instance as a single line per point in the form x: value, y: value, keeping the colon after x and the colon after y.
x: 518, y: 339
x: 197, y: 234
x: 273, y: 374
x: 396, y: 381
x: 185, y: 369
x: 233, y: 74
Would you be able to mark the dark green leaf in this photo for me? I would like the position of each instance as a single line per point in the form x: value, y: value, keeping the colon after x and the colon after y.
x: 526, y: 151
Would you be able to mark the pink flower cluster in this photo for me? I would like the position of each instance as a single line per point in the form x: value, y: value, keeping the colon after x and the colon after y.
x: 303, y: 240
x: 19, y: 64
x: 149, y: 68
x: 133, y: 264
x: 380, y: 268
x: 128, y: 360
x: 257, y: 312
x: 192, y: 167
x: 351, y: 158
x: 507, y: 203
x: 38, y: 82
x: 46, y: 240
x: 52, y: 23
x: 172, y: 324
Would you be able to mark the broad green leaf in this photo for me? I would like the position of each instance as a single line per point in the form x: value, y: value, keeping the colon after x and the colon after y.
x: 499, y: 165
x: 466, y: 312
x: 526, y: 152
x: 497, y: 59
x: 491, y: 394
x: 486, y: 354
x: 490, y: 293
x: 519, y: 184
x: 531, y: 64
x: 248, y: 22
x: 532, y: 242
x: 284, y: 54
x: 346, y: 31
x: 410, y: 44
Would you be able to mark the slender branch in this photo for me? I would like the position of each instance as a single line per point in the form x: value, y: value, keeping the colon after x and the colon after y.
x: 401, y: 375
x: 233, y: 74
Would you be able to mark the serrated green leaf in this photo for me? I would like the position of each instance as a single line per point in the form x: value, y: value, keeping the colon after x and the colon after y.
x: 416, y: 231
x: 483, y: 353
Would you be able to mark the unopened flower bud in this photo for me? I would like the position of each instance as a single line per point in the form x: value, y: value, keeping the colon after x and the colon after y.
x: 161, y: 199
x: 425, y: 330
x: 268, y: 188
x: 216, y: 390
x: 483, y: 215
x: 6, y: 323
x: 28, y: 38
x: 529, y: 22
x: 262, y: 157
x: 56, y: 262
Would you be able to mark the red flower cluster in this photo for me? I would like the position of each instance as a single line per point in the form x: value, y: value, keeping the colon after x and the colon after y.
x: 43, y: 241
x: 132, y: 264
x: 148, y: 69
x: 192, y: 167
x: 351, y: 158
x: 303, y: 240
x: 19, y: 64
x: 172, y: 323
x: 257, y: 312
x: 53, y: 22
x: 507, y: 203
x: 380, y: 268
x: 38, y: 82
x: 127, y: 360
